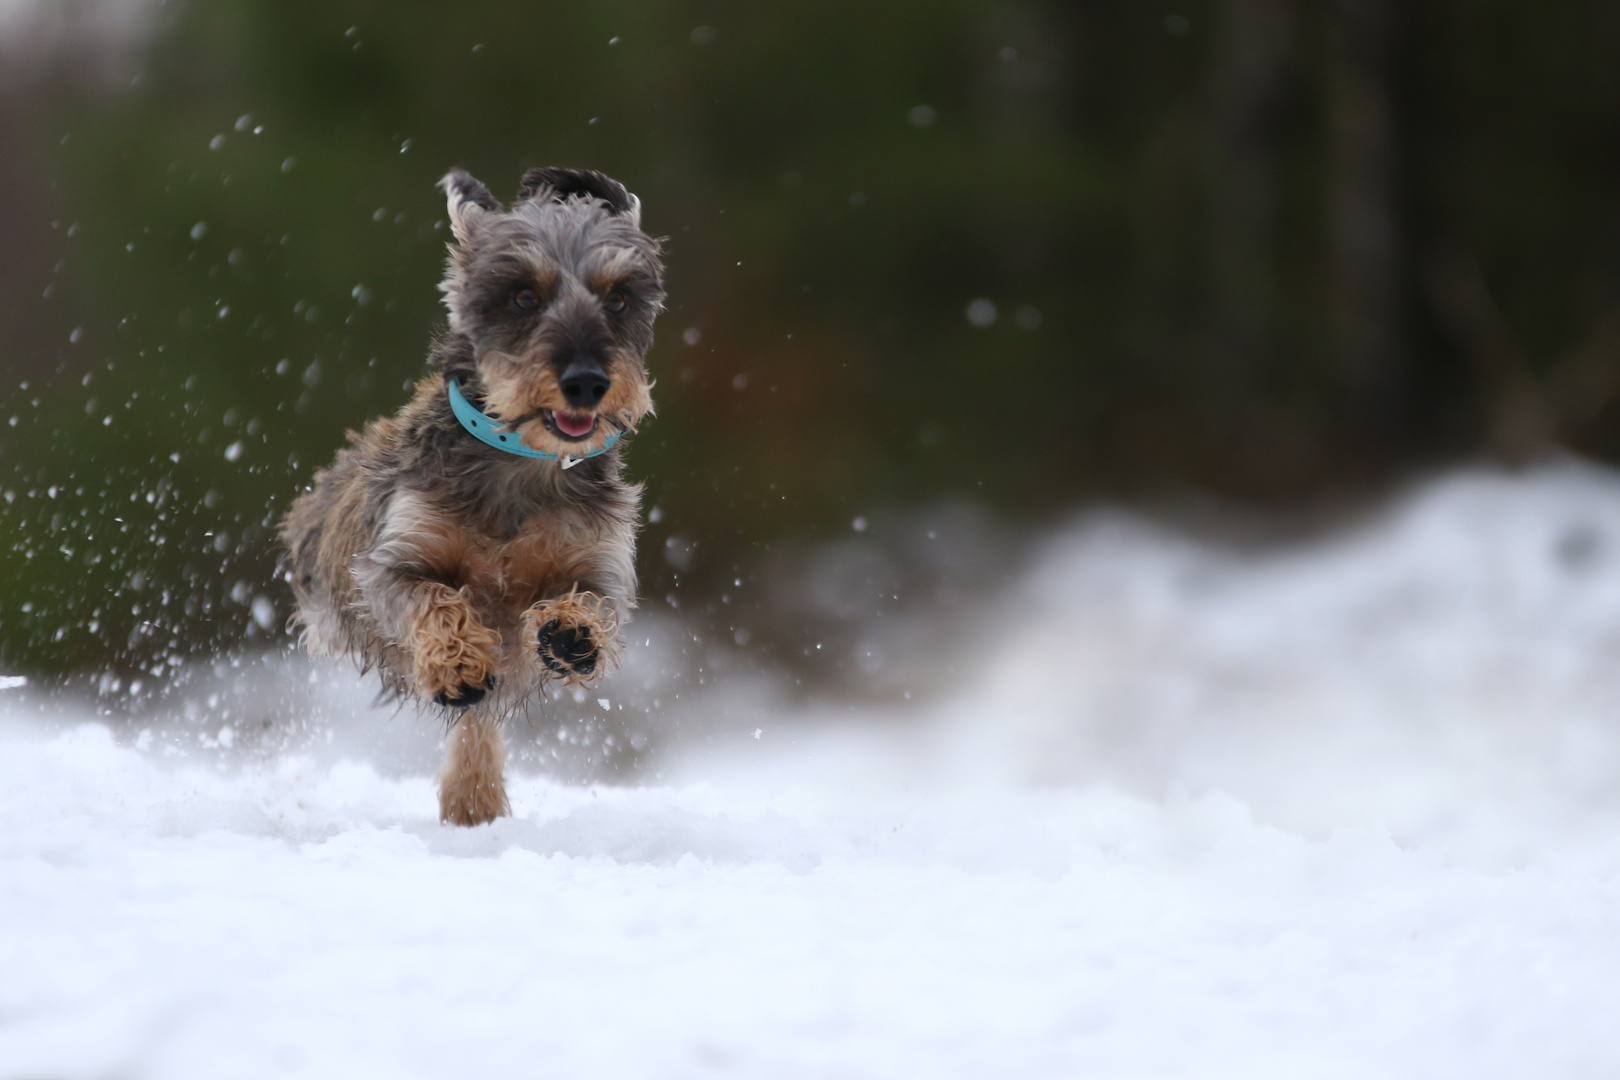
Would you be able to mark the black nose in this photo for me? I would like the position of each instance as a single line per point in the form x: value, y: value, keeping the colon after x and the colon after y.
x: 584, y: 384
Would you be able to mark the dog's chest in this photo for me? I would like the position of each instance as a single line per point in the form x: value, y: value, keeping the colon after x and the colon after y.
x: 540, y: 557
x: 545, y: 552
x: 545, y: 555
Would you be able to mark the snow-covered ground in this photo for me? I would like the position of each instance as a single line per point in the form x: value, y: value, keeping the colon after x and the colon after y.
x: 1349, y: 808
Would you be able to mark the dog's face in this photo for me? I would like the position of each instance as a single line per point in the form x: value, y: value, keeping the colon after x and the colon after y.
x: 557, y: 294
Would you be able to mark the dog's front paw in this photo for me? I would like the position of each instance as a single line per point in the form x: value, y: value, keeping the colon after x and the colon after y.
x: 575, y: 637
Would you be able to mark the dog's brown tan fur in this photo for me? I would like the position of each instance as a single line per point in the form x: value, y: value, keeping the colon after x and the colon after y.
x: 467, y: 576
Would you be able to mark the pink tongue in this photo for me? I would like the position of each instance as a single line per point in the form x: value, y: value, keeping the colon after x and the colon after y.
x: 574, y: 425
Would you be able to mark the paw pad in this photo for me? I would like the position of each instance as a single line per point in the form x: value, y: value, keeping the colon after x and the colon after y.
x: 465, y: 695
x: 566, y: 650
x: 574, y: 636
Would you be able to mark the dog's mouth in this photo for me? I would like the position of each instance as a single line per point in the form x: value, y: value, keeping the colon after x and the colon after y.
x: 570, y: 426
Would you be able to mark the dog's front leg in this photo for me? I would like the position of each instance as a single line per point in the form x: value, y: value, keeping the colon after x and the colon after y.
x: 455, y: 656
x: 451, y: 655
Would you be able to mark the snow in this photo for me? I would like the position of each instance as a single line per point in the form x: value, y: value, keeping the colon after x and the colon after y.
x: 1340, y: 808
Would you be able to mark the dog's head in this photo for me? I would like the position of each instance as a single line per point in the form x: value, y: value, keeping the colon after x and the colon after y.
x: 557, y: 294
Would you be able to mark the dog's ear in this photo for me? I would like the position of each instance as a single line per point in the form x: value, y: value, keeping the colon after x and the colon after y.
x: 558, y: 184
x: 466, y: 200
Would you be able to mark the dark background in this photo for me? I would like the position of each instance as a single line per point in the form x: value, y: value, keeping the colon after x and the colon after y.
x: 1009, y: 255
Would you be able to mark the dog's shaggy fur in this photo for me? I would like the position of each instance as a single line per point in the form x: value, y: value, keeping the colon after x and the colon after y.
x: 467, y: 576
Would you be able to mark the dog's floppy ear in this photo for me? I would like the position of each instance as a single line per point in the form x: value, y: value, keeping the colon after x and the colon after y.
x: 553, y: 183
x: 467, y: 198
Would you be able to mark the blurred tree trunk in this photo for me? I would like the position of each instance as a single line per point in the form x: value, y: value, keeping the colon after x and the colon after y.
x: 1363, y: 232
x: 31, y: 328
x: 1253, y: 39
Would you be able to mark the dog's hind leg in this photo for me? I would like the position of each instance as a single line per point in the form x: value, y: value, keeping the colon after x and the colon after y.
x: 471, y: 788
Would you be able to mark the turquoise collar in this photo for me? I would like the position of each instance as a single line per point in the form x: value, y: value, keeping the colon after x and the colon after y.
x: 486, y: 429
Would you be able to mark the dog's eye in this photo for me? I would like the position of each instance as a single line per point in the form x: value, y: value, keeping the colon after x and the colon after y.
x: 613, y: 302
x: 525, y: 300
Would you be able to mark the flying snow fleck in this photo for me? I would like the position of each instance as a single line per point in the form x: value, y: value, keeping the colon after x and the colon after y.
x: 981, y: 313
x: 264, y: 612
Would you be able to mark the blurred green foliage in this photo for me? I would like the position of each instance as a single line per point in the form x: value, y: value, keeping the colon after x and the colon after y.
x: 1024, y: 252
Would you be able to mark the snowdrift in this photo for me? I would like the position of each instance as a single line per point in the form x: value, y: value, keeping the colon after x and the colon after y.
x: 1344, y: 808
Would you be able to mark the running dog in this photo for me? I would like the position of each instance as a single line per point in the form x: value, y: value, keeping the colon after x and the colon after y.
x: 481, y: 543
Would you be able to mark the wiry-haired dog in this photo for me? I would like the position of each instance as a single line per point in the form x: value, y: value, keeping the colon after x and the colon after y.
x: 481, y: 542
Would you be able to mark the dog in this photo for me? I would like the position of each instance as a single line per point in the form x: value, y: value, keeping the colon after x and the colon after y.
x: 480, y: 544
